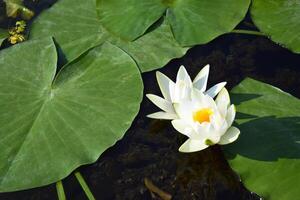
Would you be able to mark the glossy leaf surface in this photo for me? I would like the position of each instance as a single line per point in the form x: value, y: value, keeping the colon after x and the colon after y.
x: 76, y: 28
x: 267, y: 152
x: 192, y: 21
x: 280, y: 20
x: 51, y: 125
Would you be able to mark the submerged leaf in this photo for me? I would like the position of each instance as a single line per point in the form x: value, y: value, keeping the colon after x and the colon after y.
x: 280, y: 20
x: 267, y: 153
x: 14, y: 7
x: 76, y: 28
x: 50, y: 126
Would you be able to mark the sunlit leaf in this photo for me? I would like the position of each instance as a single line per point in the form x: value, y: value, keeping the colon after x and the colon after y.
x: 154, y: 49
x: 280, y: 20
x: 129, y: 18
x: 267, y: 153
x: 76, y: 28
x: 51, y: 125
x: 192, y: 21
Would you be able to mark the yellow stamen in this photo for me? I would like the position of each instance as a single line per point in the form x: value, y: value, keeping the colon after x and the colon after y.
x: 202, y: 115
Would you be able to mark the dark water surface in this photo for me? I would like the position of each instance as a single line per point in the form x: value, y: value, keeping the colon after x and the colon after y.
x: 149, y: 149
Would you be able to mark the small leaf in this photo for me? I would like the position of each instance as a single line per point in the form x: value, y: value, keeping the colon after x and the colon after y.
x: 14, y: 7
x: 267, y: 152
x: 50, y: 126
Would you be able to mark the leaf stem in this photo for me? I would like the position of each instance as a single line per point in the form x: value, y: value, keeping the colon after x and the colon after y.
x: 241, y: 31
x: 84, y: 186
x: 60, y: 191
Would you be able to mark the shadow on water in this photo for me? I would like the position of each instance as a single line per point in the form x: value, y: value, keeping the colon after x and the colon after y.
x: 273, y: 139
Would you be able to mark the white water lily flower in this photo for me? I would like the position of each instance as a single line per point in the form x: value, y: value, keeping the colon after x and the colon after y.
x: 181, y: 90
x: 205, y: 121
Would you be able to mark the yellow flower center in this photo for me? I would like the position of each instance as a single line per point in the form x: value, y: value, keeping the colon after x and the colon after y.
x: 202, y: 115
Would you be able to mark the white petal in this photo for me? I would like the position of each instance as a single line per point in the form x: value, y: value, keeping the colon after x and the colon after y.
x: 164, y: 84
x: 182, y: 91
x: 207, y: 131
x: 230, y: 136
x: 213, y: 91
x: 223, y: 101
x: 200, y: 82
x: 172, y: 92
x: 161, y: 103
x: 197, y: 96
x: 230, y: 115
x: 184, y: 110
x: 192, y: 146
x: 182, y: 75
x: 162, y: 115
x: 184, y: 128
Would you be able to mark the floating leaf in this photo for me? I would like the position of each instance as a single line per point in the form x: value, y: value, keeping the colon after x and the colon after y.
x: 76, y: 28
x: 192, y: 21
x: 154, y: 49
x: 3, y: 35
x: 280, y: 20
x: 267, y: 153
x: 129, y: 19
x: 50, y: 126
x: 73, y: 24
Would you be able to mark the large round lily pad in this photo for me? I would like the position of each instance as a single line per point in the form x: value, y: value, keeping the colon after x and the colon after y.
x: 267, y: 153
x: 192, y: 21
x: 280, y: 20
x: 76, y: 28
x: 51, y: 125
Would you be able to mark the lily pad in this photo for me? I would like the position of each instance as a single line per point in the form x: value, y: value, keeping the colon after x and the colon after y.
x: 3, y: 35
x: 192, y: 21
x: 76, y: 28
x: 51, y: 125
x: 267, y: 153
x: 129, y: 19
x: 280, y: 20
x: 73, y: 24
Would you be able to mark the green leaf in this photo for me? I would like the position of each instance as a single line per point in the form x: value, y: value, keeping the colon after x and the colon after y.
x: 76, y: 28
x: 129, y: 18
x: 198, y: 22
x: 267, y: 153
x: 49, y: 127
x: 280, y: 20
x: 3, y: 35
x: 73, y: 24
x: 154, y: 49
x: 192, y: 21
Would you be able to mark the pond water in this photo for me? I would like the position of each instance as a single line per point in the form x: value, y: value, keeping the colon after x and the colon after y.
x: 149, y: 149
